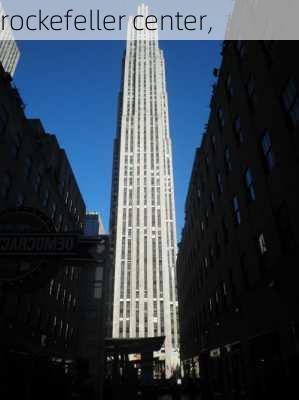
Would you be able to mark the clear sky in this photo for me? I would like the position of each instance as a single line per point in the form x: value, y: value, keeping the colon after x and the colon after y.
x: 73, y: 88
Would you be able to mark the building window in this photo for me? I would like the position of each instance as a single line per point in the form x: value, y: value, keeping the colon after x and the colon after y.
x: 58, y: 291
x: 219, y: 182
x: 16, y: 145
x: 54, y: 325
x: 206, y: 264
x: 240, y: 46
x: 212, y: 201
x: 211, y: 256
x: 66, y: 199
x: 229, y: 86
x: 98, y: 290
x: 285, y: 229
x: 121, y: 329
x: 74, y: 304
x: 207, y: 161
x: 217, y: 246
x: 72, y: 333
x: 225, y: 230
x: 290, y: 99
x: 262, y: 244
x: 267, y: 150
x: 61, y: 186
x: 70, y: 205
x: 45, y: 200
x: 53, y: 211
x: 66, y: 333
x: 251, y: 90
x: 203, y: 184
x: 220, y: 116
x: 6, y: 185
x: 51, y: 287
x: 238, y: 131
x: 59, y: 223
x: 20, y: 200
x: 121, y: 309
x: 244, y: 272
x: 99, y: 273
x: 232, y: 286
x: 224, y: 289
x: 198, y: 192
x: 207, y: 216
x: 28, y: 167
x: 69, y: 301
x: 249, y: 185
x: 37, y: 183
x: 267, y: 46
x: 236, y: 210
x: 202, y: 227
x: 210, y: 306
x: 3, y: 119
x: 227, y: 160
x: 60, y: 328
x: 213, y: 142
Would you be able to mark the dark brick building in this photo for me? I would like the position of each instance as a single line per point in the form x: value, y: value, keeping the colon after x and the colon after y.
x: 237, y: 265
x: 38, y: 325
x: 92, y: 306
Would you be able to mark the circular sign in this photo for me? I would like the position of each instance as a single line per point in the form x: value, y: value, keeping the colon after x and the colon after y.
x: 16, y: 267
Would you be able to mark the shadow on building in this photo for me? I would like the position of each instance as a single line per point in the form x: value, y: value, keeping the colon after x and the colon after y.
x: 237, y: 262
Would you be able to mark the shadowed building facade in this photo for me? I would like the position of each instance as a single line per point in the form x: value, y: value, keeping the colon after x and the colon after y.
x: 238, y: 257
x: 42, y: 324
x: 92, y: 306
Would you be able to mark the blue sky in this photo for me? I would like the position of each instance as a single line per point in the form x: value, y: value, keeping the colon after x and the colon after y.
x: 73, y: 88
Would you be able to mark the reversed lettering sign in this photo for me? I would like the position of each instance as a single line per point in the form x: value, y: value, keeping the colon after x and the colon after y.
x: 31, y: 250
x: 37, y: 244
x: 27, y: 239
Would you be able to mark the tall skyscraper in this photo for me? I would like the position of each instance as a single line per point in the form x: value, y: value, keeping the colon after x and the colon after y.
x: 9, y: 52
x: 142, y: 224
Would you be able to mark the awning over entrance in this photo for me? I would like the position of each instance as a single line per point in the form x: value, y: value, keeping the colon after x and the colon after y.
x: 134, y: 345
